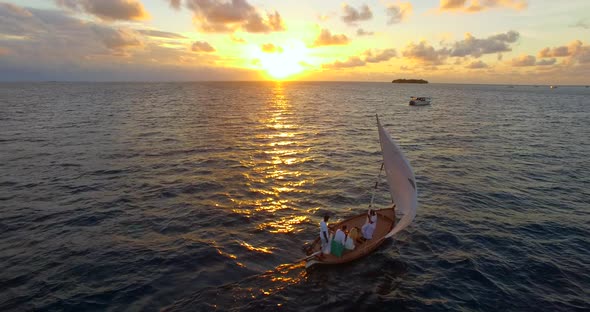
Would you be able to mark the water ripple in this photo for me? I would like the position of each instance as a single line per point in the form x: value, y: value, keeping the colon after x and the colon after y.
x: 198, y: 196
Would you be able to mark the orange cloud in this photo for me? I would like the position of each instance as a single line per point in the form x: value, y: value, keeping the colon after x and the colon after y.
x: 547, y: 62
x: 369, y: 56
x: 524, y: 60
x: 271, y: 48
x: 237, y: 39
x: 108, y: 10
x: 477, y: 65
x: 471, y: 6
x: 377, y: 56
x: 561, y: 51
x: 202, y: 46
x: 326, y: 38
x: 221, y: 16
x: 353, y: 61
x: 573, y: 52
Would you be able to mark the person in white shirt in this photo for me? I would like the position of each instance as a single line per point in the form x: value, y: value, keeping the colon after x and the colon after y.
x: 349, y: 241
x: 371, y: 216
x: 337, y: 245
x: 370, y: 226
x: 340, y: 236
x: 324, y: 234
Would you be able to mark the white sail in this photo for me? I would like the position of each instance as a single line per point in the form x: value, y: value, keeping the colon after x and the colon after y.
x: 400, y: 177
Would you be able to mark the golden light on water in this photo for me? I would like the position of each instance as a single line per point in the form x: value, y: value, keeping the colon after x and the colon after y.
x: 272, y: 175
x: 266, y: 250
x: 284, y: 224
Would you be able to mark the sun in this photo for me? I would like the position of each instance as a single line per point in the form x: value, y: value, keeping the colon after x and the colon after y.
x: 282, y: 62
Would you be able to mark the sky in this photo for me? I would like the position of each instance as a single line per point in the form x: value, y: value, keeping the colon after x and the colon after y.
x: 444, y: 41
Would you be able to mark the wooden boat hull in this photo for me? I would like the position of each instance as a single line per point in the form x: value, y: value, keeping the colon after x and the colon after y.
x: 385, y: 222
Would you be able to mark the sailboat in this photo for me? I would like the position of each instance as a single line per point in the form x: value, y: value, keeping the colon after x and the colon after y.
x: 390, y: 221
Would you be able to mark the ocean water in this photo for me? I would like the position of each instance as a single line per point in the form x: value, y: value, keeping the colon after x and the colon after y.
x: 200, y: 196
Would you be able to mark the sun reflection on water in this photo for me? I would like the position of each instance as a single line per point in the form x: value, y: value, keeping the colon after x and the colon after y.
x: 274, y: 181
x: 266, y: 250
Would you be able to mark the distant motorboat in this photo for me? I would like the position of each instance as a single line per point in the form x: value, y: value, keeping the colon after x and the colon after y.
x: 553, y: 87
x: 419, y: 101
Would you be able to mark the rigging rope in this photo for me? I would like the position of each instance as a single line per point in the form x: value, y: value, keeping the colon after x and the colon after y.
x: 376, y: 184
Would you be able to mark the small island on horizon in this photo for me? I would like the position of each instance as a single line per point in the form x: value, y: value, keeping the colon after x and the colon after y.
x: 409, y: 81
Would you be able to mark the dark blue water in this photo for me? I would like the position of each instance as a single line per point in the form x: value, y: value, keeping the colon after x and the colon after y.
x: 199, y: 196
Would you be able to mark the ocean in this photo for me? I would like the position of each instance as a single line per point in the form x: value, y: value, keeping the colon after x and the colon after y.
x: 199, y: 196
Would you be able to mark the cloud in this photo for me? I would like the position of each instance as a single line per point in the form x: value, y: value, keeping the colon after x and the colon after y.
x: 362, y: 32
x: 108, y: 10
x: 237, y: 39
x: 202, y: 46
x: 554, y: 52
x: 175, y: 4
x: 271, y: 48
x: 221, y: 16
x: 477, y: 65
x: 117, y: 38
x: 55, y: 42
x: 425, y: 53
x: 574, y: 52
x: 472, y: 6
x: 581, y: 24
x: 11, y: 9
x: 524, y: 60
x: 55, y: 45
x: 377, y: 56
x: 161, y: 34
x: 352, y: 16
x: 353, y: 61
x: 477, y: 47
x: 546, y: 62
x: 326, y: 38
x: 398, y: 12
x: 56, y: 34
x: 17, y: 21
x: 368, y: 56
x: 561, y: 51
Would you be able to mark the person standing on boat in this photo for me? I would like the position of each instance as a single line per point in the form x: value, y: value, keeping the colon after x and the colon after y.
x: 371, y: 216
x: 369, y: 227
x: 324, y: 234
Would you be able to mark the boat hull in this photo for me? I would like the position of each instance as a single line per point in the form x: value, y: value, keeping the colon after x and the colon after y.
x: 385, y: 222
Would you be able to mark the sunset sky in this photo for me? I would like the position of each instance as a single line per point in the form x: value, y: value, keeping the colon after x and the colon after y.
x: 463, y: 41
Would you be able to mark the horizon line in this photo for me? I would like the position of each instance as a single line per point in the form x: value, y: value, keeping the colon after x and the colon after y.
x: 275, y: 81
